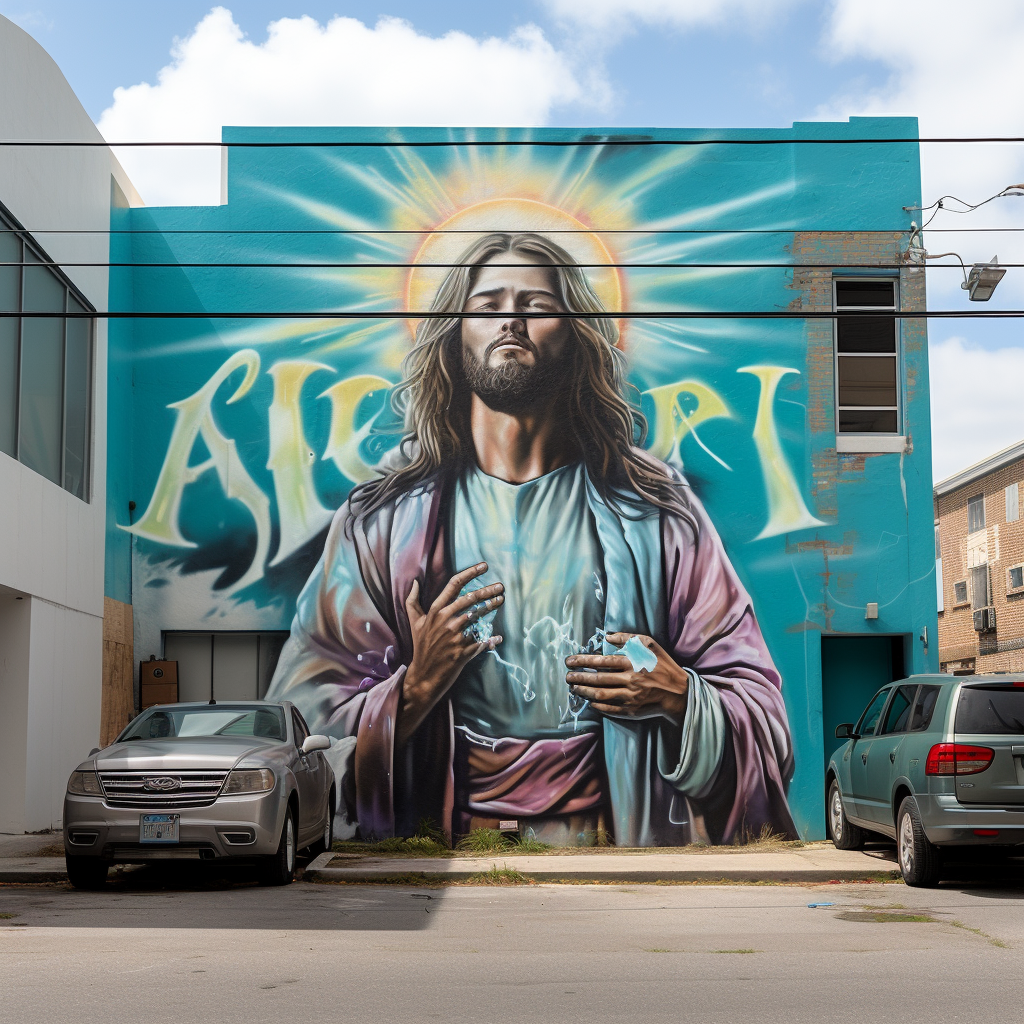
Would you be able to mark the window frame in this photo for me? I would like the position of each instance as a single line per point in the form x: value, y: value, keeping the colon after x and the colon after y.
x: 983, y: 569
x: 976, y: 500
x: 885, y: 691
x: 1010, y: 588
x: 897, y: 355
x: 1015, y: 489
x: 32, y: 252
x: 957, y: 603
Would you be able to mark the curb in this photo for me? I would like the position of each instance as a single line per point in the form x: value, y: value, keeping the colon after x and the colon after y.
x: 33, y: 875
x: 396, y: 875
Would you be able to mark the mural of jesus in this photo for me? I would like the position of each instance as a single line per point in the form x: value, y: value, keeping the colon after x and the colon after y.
x: 464, y: 636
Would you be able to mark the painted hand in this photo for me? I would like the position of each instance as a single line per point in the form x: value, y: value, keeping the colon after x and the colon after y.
x: 440, y: 646
x: 615, y: 689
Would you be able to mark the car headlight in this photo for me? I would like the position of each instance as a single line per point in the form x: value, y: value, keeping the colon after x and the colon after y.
x: 84, y: 784
x: 249, y: 780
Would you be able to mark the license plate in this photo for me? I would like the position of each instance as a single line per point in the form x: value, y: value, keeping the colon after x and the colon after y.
x: 158, y: 828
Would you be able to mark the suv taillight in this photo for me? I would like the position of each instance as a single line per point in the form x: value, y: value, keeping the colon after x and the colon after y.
x: 957, y: 759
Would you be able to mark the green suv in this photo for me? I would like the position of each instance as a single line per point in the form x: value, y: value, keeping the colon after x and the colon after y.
x: 935, y: 762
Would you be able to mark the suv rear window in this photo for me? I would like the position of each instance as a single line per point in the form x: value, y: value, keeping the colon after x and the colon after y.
x: 984, y: 709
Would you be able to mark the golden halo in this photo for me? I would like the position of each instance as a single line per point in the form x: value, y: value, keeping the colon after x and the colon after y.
x: 585, y: 246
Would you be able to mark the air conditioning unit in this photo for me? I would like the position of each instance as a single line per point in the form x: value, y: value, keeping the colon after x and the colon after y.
x: 985, y: 620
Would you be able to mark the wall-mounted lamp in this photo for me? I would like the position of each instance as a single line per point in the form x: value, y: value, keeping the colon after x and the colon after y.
x: 982, y: 281
x: 871, y: 610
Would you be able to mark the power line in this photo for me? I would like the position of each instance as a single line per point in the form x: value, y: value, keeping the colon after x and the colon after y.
x: 672, y: 314
x: 585, y: 142
x: 443, y: 266
x: 486, y: 231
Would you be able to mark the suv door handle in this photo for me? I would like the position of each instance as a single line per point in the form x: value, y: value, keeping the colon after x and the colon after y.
x: 864, y: 758
x: 892, y: 756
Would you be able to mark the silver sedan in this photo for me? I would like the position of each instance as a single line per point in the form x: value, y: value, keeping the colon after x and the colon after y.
x: 243, y: 782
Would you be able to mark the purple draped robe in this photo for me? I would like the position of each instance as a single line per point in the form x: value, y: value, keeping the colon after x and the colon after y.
x: 350, y: 643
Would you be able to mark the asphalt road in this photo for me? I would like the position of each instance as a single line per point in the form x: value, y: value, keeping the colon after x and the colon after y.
x: 153, y: 949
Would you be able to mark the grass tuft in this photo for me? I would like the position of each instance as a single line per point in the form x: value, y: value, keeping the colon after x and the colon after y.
x: 500, y: 876
x: 491, y: 840
x: 735, y: 951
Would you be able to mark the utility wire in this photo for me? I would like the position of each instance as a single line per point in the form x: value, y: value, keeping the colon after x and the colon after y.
x: 483, y: 231
x: 667, y: 314
x: 585, y: 266
x: 585, y: 142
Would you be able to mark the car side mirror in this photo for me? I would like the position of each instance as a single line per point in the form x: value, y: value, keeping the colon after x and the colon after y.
x: 95, y: 750
x: 311, y: 743
x: 845, y: 732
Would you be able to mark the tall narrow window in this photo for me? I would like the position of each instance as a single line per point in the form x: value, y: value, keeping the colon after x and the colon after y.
x: 979, y: 587
x: 1012, y: 504
x: 76, y: 399
x: 41, y: 419
x: 45, y: 363
x: 976, y: 513
x: 10, y: 302
x: 867, y: 357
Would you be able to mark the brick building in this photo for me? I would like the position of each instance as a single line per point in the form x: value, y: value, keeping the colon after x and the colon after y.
x: 979, y: 551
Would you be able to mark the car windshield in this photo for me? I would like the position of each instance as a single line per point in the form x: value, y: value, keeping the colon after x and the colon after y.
x: 220, y: 720
x: 990, y: 710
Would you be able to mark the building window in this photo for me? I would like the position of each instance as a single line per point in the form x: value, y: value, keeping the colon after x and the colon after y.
x: 45, y: 365
x: 867, y: 358
x: 1012, y: 504
x: 960, y: 592
x: 980, y: 597
x: 1015, y: 577
x: 976, y: 513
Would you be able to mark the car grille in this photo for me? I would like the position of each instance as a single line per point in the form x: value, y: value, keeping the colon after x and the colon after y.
x: 141, y: 789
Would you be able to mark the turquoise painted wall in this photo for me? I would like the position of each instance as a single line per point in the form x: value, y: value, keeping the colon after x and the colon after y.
x: 228, y: 543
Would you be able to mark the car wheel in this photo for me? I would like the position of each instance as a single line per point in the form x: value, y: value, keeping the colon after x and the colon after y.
x: 843, y: 833
x: 324, y: 843
x: 87, y: 872
x: 279, y: 868
x: 920, y: 861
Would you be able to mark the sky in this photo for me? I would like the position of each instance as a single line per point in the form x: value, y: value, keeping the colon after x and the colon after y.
x: 146, y: 70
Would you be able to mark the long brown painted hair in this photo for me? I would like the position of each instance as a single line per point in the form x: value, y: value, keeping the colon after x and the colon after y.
x: 433, y: 399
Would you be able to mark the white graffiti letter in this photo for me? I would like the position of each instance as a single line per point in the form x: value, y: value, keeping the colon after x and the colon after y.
x: 299, y: 511
x: 786, y: 509
x: 195, y: 420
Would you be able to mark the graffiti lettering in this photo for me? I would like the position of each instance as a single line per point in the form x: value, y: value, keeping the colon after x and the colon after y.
x: 300, y: 513
x: 194, y: 420
x: 786, y: 509
x: 343, y: 443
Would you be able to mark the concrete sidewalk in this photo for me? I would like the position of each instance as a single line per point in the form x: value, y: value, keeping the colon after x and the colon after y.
x: 818, y: 863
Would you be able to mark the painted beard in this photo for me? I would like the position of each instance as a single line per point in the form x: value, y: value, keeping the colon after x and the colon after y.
x: 511, y: 387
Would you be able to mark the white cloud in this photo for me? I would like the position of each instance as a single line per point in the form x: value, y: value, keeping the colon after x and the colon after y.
x: 959, y: 70
x: 341, y: 73
x: 621, y: 14
x: 976, y: 405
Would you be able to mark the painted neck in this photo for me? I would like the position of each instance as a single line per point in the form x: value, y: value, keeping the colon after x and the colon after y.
x: 522, y: 446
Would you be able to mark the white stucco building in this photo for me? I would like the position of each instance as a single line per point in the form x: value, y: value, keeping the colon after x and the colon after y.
x: 55, y: 206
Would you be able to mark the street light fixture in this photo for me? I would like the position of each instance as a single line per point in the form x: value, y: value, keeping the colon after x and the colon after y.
x: 982, y: 281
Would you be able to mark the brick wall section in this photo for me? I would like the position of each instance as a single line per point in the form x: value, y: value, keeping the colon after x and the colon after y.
x: 1004, y: 547
x: 819, y: 254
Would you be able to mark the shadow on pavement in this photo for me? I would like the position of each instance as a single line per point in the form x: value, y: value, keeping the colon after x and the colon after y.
x: 187, y: 895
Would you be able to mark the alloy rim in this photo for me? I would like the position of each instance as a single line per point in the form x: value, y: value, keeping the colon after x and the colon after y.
x: 907, y: 844
x: 836, y: 809
x: 289, y: 844
x: 328, y: 838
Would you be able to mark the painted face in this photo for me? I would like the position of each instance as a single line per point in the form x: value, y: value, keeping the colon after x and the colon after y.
x: 508, y: 286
